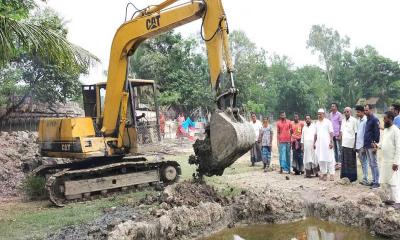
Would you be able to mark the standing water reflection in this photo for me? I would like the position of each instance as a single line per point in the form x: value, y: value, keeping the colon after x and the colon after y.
x: 309, y: 229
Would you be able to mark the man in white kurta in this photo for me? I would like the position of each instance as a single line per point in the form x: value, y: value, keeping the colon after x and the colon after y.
x: 307, y: 145
x: 324, y: 146
x: 348, y: 132
x: 390, y: 160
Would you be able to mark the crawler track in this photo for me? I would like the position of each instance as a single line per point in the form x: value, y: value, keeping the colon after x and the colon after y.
x: 66, y: 184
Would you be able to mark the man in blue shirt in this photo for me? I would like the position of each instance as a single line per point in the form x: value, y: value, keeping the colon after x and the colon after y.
x: 362, y: 121
x: 395, y: 108
x: 371, y: 139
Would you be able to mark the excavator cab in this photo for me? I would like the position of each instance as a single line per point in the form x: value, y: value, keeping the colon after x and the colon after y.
x: 142, y: 128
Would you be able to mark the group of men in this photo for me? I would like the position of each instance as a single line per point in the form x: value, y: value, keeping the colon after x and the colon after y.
x: 333, y: 142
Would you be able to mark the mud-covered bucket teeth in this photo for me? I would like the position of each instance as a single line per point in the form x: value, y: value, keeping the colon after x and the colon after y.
x: 230, y: 137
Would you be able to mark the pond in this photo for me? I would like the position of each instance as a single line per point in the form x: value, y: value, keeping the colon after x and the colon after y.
x: 309, y: 229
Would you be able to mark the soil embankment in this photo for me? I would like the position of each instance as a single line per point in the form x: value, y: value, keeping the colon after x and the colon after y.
x: 189, y: 210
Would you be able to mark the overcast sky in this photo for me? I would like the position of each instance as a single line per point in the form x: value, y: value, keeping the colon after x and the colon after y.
x: 280, y: 26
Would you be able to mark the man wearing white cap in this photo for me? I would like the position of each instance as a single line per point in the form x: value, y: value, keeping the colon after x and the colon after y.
x: 323, y: 144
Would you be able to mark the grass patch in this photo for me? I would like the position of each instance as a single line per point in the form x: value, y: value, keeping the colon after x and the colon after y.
x: 187, y: 169
x: 241, y: 167
x: 34, y: 220
x: 224, y: 188
x: 34, y: 187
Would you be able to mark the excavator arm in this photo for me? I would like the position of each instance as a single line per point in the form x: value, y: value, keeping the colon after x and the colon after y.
x: 153, y: 21
x: 230, y: 136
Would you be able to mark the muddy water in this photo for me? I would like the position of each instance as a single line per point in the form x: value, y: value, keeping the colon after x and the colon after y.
x: 309, y: 229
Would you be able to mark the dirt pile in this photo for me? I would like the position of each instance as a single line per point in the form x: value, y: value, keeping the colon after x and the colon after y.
x: 191, y: 194
x: 189, y: 210
x: 368, y: 212
x: 268, y: 206
x: 187, y: 193
x: 18, y: 153
x: 182, y: 222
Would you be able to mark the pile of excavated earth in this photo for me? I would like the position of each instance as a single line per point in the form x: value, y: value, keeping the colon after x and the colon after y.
x: 18, y: 154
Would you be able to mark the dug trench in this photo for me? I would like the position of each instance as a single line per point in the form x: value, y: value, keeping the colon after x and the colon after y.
x: 189, y: 210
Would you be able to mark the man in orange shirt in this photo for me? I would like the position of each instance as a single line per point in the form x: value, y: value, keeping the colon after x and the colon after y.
x: 162, y: 125
x: 296, y: 131
x: 283, y: 129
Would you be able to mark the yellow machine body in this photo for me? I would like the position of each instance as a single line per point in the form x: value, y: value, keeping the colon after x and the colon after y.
x: 70, y: 137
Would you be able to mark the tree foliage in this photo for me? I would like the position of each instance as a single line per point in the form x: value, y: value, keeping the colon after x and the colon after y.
x: 251, y: 73
x: 179, y: 69
x: 19, y: 33
x: 330, y: 46
x: 269, y: 83
x: 36, y: 59
x: 363, y: 73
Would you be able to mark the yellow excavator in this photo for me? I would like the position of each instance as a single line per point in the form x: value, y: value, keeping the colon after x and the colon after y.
x: 109, y: 150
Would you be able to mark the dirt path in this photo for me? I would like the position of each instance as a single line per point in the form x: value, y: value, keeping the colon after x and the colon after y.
x: 308, y: 189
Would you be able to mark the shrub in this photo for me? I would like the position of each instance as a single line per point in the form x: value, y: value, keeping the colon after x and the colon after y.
x: 34, y: 187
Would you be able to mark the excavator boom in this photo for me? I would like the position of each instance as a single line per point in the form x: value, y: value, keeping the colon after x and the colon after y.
x: 152, y: 22
x: 230, y: 135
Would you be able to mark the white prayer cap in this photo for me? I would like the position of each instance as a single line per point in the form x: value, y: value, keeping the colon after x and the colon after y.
x: 321, y: 110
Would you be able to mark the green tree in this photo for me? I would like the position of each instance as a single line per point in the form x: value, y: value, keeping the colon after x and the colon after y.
x: 377, y: 76
x: 179, y: 69
x: 251, y: 76
x: 28, y: 74
x: 281, y: 77
x: 301, y: 90
x: 19, y: 34
x: 330, y: 46
x: 312, y: 86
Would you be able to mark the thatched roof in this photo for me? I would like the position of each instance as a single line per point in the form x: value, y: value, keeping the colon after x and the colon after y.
x: 371, y: 100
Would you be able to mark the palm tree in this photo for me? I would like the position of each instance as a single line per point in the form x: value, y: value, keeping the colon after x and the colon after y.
x: 17, y: 33
x: 22, y: 37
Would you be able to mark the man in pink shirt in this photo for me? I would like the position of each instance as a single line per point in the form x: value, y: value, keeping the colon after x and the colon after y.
x: 336, y: 118
x: 283, y: 129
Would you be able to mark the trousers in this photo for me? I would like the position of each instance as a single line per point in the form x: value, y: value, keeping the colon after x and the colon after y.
x: 373, y: 163
x: 327, y: 167
x: 362, y: 156
x: 284, y: 156
x: 392, y: 192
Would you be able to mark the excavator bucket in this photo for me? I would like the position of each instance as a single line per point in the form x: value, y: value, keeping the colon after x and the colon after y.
x: 229, y: 137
